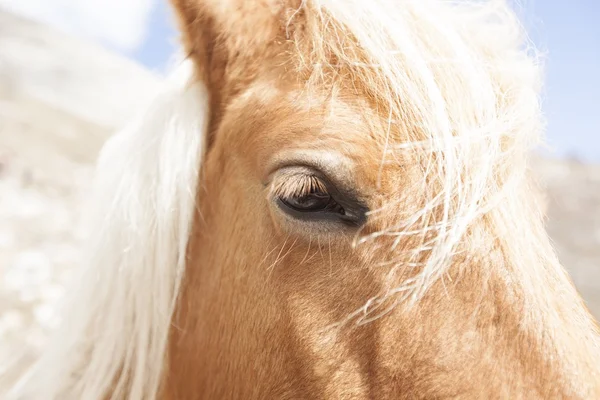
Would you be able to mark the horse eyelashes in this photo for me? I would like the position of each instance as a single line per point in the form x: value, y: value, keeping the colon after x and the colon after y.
x: 298, y: 185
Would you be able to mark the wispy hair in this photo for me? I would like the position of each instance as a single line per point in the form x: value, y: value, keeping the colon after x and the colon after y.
x: 459, y: 83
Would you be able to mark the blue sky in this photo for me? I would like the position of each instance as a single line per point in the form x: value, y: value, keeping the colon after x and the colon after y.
x: 568, y: 32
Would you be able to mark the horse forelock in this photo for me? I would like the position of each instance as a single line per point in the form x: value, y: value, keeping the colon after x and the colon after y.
x: 459, y: 93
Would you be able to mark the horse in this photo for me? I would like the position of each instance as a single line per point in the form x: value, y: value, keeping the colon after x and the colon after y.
x: 327, y: 200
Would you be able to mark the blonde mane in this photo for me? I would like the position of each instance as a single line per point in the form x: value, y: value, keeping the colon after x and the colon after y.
x: 455, y: 76
x: 117, y: 320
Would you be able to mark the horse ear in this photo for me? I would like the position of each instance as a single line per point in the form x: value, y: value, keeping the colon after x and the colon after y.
x: 229, y: 39
x: 203, y: 45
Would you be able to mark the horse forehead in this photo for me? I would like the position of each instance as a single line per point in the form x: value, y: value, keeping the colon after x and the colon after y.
x: 273, y: 115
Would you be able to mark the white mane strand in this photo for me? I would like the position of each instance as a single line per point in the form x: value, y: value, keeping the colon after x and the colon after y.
x: 117, y: 320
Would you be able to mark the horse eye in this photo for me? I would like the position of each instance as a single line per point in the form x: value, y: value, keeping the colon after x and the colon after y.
x: 313, y: 202
x: 309, y: 196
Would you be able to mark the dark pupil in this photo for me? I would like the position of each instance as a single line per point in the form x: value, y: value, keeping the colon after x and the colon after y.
x: 310, y: 202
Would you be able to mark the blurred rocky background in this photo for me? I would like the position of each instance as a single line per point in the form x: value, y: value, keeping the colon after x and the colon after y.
x: 61, y: 97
